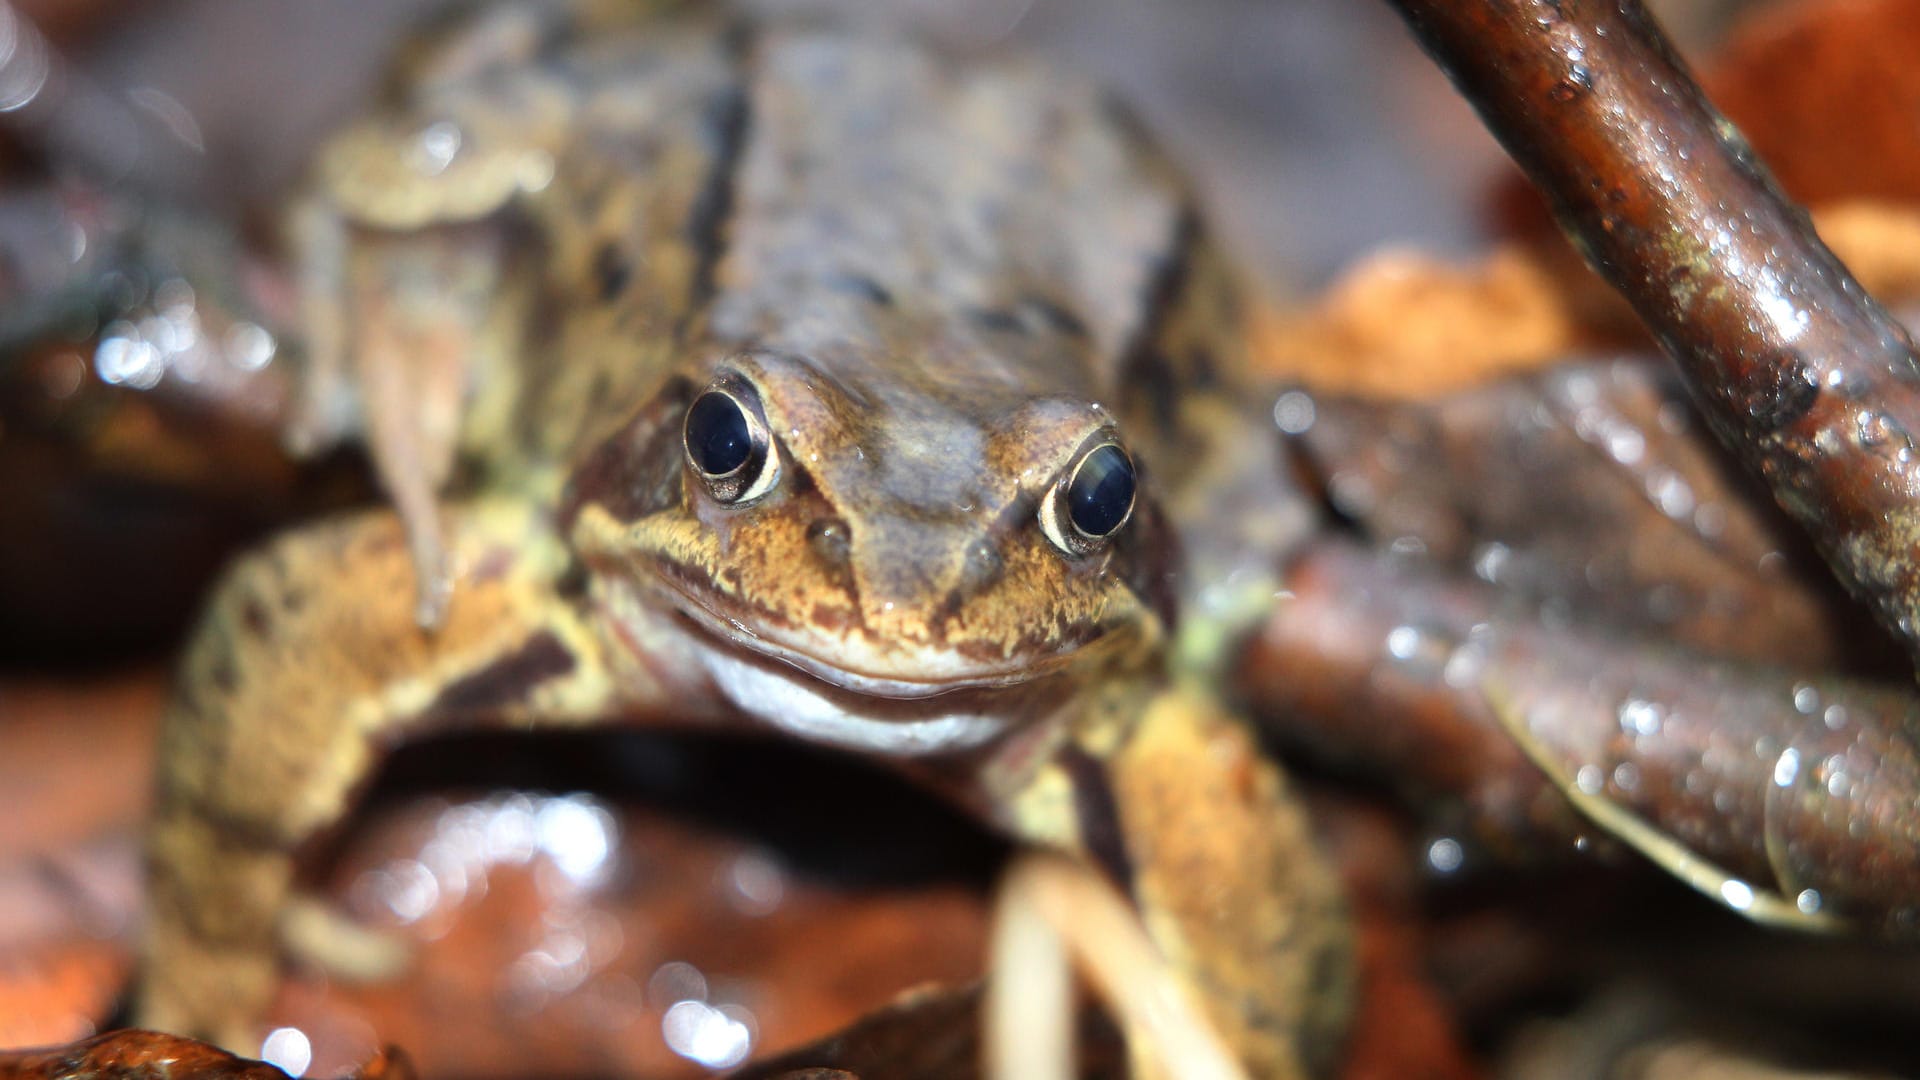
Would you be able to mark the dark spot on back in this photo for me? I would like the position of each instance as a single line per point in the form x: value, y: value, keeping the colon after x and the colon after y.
x: 1053, y: 316
x: 612, y: 270
x: 1149, y: 376
x: 253, y: 615
x: 995, y: 320
x: 705, y: 229
x: 851, y: 283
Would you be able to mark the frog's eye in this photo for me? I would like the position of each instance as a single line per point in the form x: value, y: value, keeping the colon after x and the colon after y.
x: 728, y: 444
x: 1092, y: 500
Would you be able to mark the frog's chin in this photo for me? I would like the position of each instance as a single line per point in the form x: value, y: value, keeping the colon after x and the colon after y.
x: 796, y: 702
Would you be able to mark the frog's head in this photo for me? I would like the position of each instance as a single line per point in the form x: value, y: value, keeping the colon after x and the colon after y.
x: 875, y: 541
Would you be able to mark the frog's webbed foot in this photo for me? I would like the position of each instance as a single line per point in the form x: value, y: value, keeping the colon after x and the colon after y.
x: 308, y: 664
x: 1197, y: 827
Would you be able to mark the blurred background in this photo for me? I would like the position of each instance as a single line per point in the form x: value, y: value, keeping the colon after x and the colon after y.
x: 610, y: 905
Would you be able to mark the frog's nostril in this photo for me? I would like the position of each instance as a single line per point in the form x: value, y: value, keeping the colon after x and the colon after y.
x: 829, y: 539
x: 982, y: 567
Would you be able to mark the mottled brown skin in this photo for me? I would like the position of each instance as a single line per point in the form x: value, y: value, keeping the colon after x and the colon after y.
x: 942, y: 284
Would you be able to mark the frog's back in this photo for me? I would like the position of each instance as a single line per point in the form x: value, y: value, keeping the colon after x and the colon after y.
x: 984, y: 231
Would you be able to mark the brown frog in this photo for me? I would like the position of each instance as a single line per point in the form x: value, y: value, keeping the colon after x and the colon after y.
x: 776, y: 377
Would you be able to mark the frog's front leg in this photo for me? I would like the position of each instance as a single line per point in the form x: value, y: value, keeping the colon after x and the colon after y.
x: 1198, y: 827
x: 307, y: 665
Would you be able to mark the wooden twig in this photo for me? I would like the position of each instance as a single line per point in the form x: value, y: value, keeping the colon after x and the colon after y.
x: 1810, y: 382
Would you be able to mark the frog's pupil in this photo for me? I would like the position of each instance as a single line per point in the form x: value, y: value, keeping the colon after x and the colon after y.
x: 717, y: 434
x: 1101, y: 492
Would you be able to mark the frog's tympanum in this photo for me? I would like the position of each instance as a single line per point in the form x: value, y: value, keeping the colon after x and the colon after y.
x: 783, y: 378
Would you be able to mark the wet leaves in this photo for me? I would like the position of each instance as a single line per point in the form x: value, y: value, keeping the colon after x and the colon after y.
x: 150, y: 1055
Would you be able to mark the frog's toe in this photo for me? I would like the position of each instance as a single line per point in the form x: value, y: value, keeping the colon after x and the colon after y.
x: 314, y: 933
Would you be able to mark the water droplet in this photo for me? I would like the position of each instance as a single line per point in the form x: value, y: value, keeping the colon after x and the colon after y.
x: 1806, y: 700
x: 1872, y: 429
x: 716, y: 1038
x: 1403, y: 642
x: 1489, y: 560
x: 577, y: 835
x: 249, y: 347
x: 1738, y: 894
x: 675, y: 981
x: 1625, y: 444
x: 287, y: 1049
x: 1580, y: 389
x: 1639, y: 717
x: 436, y: 147
x: 1808, y: 901
x: 1464, y: 665
x: 1445, y: 855
x: 1835, y: 717
x: 510, y: 836
x: 1786, y: 769
x: 1670, y: 492
x: 1590, y: 779
x: 124, y: 358
x: 1626, y: 776
x: 173, y: 298
x: 25, y: 63
x: 756, y: 884
x: 408, y: 889
x: 1294, y: 412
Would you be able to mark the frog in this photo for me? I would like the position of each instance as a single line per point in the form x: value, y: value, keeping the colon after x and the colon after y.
x: 791, y: 378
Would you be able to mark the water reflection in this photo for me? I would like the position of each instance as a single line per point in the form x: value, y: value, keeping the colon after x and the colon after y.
x: 574, y: 833
x: 288, y: 1049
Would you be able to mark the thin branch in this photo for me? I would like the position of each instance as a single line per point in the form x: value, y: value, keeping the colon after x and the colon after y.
x: 1801, y: 373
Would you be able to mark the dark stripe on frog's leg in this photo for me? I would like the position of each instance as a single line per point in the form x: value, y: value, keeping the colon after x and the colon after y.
x: 1098, y: 815
x: 284, y: 710
x: 509, y: 680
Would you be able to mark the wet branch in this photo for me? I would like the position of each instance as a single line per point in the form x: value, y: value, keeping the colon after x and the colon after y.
x: 1809, y: 381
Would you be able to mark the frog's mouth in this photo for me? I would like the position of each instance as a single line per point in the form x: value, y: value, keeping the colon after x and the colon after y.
x: 947, y: 673
x: 831, y: 703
